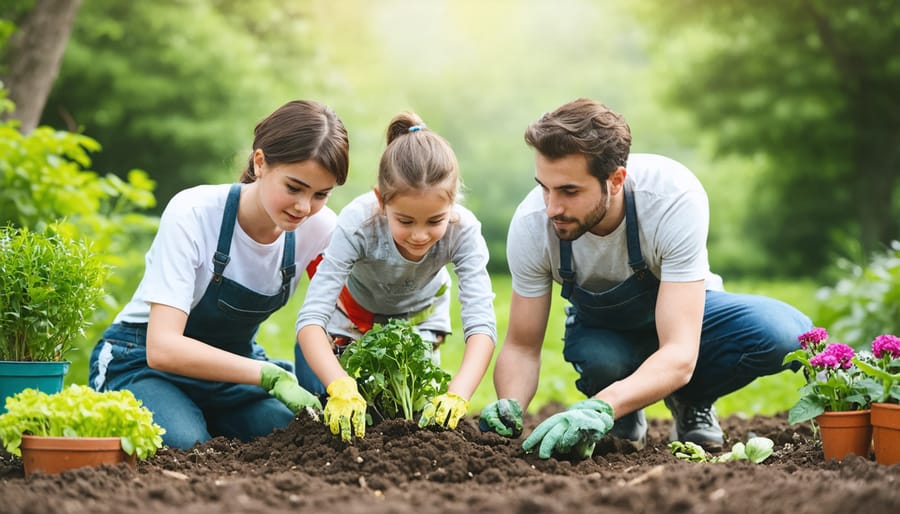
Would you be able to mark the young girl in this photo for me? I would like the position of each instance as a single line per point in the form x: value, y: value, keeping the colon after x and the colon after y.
x: 225, y: 258
x: 387, y: 259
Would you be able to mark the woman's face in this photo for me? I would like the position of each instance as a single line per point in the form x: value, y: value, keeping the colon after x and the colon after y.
x: 418, y: 220
x: 292, y: 192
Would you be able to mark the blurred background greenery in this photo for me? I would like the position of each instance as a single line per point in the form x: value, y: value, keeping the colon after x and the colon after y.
x: 787, y: 111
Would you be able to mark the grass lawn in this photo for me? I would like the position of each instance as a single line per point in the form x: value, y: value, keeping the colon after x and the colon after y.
x: 767, y: 395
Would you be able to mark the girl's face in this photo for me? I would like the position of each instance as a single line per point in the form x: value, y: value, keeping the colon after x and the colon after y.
x: 292, y: 192
x: 417, y: 220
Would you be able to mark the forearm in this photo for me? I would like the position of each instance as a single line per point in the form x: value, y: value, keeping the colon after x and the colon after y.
x: 516, y: 373
x: 665, y: 371
x: 317, y: 351
x: 475, y: 361
x: 184, y: 356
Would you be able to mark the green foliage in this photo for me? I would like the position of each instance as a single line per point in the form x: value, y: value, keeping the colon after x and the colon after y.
x: 393, y: 368
x: 866, y: 302
x: 49, y: 286
x: 778, y: 82
x: 179, y: 99
x: 45, y: 181
x: 79, y: 411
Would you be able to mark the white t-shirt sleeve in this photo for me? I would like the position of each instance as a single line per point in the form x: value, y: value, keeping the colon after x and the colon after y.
x: 172, y: 264
x: 527, y: 249
x: 682, y: 233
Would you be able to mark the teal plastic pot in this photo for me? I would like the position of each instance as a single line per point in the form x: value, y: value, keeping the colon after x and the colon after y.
x: 16, y: 376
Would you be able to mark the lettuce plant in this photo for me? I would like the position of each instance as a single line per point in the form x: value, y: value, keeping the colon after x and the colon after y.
x: 393, y: 370
x: 79, y: 411
x: 756, y: 450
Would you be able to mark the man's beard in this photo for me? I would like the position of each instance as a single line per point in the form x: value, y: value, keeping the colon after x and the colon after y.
x: 590, y: 221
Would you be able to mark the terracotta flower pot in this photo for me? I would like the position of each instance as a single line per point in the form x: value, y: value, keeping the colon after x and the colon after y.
x: 52, y: 455
x: 845, y: 432
x: 886, y: 432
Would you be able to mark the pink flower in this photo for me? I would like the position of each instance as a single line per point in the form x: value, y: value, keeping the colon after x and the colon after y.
x: 835, y: 356
x: 886, y: 343
x: 812, y: 337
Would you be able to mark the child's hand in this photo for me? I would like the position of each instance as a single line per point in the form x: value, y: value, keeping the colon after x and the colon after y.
x: 444, y: 410
x: 346, y: 409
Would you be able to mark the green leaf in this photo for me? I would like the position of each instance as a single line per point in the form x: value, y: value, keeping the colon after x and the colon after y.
x: 759, y: 449
x: 805, y: 409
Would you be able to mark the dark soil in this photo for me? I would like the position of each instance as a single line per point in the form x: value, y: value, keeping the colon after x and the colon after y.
x: 398, y: 468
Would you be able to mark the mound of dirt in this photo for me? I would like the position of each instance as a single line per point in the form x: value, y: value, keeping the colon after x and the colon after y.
x: 399, y: 468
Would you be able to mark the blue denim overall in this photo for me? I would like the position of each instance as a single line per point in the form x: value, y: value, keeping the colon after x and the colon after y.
x: 610, y: 334
x: 227, y: 317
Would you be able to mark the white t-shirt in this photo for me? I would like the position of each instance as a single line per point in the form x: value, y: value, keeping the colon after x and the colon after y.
x: 363, y: 255
x: 673, y: 222
x: 179, y: 263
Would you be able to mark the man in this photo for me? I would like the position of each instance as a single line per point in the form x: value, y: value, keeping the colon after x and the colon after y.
x: 626, y: 238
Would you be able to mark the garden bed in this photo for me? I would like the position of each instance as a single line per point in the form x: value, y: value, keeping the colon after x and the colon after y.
x: 399, y: 468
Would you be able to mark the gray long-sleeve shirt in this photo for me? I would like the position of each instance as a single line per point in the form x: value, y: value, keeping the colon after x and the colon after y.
x: 362, y: 254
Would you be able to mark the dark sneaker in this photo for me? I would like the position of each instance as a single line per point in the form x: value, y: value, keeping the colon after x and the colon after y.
x: 695, y: 423
x: 631, y: 428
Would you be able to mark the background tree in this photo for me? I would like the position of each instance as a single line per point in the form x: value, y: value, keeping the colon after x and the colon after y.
x: 176, y: 87
x: 39, y: 32
x: 807, y: 89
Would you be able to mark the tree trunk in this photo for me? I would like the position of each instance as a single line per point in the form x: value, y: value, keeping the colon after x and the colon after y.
x: 34, y: 55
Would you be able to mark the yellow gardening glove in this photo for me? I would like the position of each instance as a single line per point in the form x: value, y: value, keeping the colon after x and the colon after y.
x: 346, y: 409
x: 445, y: 410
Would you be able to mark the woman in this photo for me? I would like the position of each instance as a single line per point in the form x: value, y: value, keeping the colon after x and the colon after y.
x: 225, y: 257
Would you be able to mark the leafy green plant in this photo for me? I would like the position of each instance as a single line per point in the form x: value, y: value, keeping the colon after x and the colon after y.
x: 79, y: 411
x: 756, y: 450
x: 49, y: 286
x: 393, y: 370
x: 866, y: 301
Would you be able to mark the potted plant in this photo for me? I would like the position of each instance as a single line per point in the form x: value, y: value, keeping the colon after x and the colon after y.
x: 49, y: 286
x: 837, y: 394
x: 78, y: 427
x: 884, y: 367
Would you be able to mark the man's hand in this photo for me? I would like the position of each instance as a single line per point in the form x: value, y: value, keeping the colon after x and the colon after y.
x: 573, y: 432
x: 282, y: 384
x: 444, y: 410
x: 503, y: 416
x: 345, y: 411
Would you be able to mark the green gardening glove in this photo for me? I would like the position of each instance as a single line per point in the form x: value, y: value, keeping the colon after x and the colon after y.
x: 573, y: 432
x: 346, y: 409
x: 503, y: 416
x: 444, y: 410
x: 282, y: 384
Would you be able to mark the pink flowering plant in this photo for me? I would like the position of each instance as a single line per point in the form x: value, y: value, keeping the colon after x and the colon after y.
x: 833, y: 382
x: 884, y: 367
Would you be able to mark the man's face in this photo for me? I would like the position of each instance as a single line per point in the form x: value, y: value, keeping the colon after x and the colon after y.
x: 576, y: 202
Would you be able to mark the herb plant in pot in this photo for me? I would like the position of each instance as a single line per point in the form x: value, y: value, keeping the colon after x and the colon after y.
x: 884, y: 367
x: 78, y: 427
x: 837, y: 395
x: 49, y: 286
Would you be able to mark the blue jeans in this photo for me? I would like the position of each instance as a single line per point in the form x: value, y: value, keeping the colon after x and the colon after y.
x: 743, y: 337
x: 191, y: 410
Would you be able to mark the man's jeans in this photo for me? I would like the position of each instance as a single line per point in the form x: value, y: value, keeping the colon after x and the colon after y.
x: 743, y: 337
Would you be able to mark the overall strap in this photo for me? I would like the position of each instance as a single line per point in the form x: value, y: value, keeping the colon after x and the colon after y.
x: 565, y: 268
x: 226, y: 232
x: 635, y: 257
x: 288, y: 266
